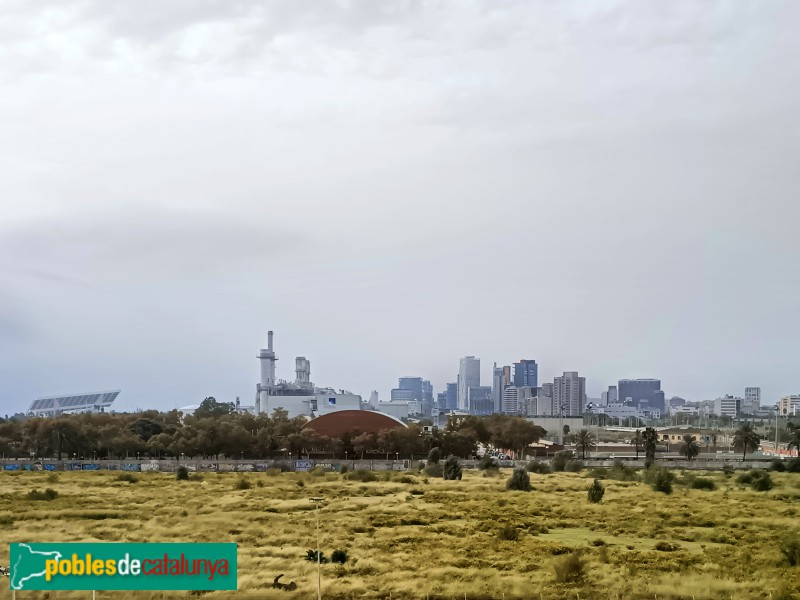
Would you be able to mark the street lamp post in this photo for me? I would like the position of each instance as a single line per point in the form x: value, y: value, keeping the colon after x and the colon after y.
x: 317, y: 501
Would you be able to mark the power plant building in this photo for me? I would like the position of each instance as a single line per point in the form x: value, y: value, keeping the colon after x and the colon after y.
x: 299, y: 397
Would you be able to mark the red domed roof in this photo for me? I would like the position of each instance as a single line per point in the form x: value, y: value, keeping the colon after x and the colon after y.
x: 337, y: 423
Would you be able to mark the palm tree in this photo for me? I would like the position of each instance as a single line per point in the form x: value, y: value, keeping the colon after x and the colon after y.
x: 637, y: 442
x: 689, y: 447
x: 746, y: 440
x: 650, y: 443
x: 584, y: 441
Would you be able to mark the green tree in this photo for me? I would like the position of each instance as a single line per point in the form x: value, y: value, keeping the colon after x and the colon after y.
x: 650, y: 441
x: 746, y: 440
x: 596, y: 492
x: 434, y: 456
x: 689, y: 447
x: 583, y: 442
x: 565, y: 431
x: 210, y: 408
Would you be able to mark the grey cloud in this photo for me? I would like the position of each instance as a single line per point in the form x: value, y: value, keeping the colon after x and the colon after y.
x: 151, y: 244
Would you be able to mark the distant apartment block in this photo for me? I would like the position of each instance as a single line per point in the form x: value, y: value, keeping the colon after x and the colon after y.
x: 789, y: 405
x: 752, y: 400
x: 728, y: 406
x: 569, y: 394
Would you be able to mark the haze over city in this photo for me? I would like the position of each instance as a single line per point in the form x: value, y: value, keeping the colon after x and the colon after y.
x: 392, y: 186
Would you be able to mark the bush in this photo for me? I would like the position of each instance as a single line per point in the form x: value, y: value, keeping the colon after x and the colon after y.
x: 596, y: 492
x: 727, y: 470
x: 621, y: 472
x: 271, y: 472
x: 757, y: 479
x: 339, y: 556
x: 538, y: 466
x: 282, y: 465
x: 569, y: 568
x: 519, y: 480
x: 487, y: 462
x: 560, y: 460
x: 311, y: 556
x: 243, y: 484
x: 452, y: 469
x: 790, y: 548
x: 777, y: 465
x: 128, y: 477
x: 318, y: 472
x: 182, y: 474
x: 47, y: 495
x: 508, y: 533
x: 667, y: 547
x: 793, y: 465
x: 702, y: 483
x: 434, y: 470
x: 344, y: 469
x: 361, y: 475
x: 763, y: 482
x: 573, y: 466
x: 434, y: 456
x: 52, y: 478
x: 660, y: 478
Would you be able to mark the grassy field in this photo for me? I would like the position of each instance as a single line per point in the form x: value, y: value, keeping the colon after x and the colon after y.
x: 414, y: 537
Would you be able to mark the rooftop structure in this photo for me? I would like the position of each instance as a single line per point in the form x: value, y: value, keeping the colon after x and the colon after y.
x: 50, y: 406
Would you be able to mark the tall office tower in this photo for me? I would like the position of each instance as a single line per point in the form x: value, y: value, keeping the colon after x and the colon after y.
x: 526, y: 373
x: 452, y: 396
x: 469, y: 375
x: 498, y: 385
x: 609, y: 397
x: 752, y: 400
x: 414, y: 384
x: 645, y: 394
x: 479, y: 399
x: 507, y: 377
x: 441, y: 400
x: 569, y: 394
x: 427, y: 397
x: 544, y: 403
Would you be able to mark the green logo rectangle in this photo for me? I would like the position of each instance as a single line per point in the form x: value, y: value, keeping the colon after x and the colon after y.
x: 123, y: 566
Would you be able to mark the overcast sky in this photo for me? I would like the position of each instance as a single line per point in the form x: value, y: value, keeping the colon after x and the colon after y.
x: 605, y: 187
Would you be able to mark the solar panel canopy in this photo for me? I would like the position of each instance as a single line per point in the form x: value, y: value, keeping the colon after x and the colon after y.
x: 56, y: 405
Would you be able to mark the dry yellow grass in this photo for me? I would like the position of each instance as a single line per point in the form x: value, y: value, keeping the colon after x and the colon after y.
x: 442, y: 543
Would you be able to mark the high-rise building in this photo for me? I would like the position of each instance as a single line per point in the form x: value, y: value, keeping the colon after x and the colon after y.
x: 427, y: 397
x: 645, y: 394
x: 441, y: 400
x: 452, y: 396
x: 510, y: 400
x: 569, y: 394
x: 498, y: 385
x: 609, y: 397
x: 413, y: 384
x: 752, y: 400
x: 526, y: 373
x: 479, y: 398
x: 469, y: 375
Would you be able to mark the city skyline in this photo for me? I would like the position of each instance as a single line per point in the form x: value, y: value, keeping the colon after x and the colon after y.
x: 369, y: 180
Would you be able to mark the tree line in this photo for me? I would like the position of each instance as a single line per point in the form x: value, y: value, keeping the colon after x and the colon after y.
x: 216, y: 430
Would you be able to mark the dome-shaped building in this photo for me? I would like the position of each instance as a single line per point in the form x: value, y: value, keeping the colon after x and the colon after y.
x: 336, y: 424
